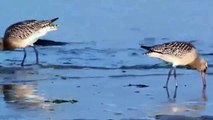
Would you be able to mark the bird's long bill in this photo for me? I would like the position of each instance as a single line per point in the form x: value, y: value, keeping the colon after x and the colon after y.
x: 204, y: 78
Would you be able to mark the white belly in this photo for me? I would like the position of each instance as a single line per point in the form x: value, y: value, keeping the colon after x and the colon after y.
x: 34, y: 37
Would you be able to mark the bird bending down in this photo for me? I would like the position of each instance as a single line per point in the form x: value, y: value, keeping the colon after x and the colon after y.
x: 26, y: 33
x: 179, y: 54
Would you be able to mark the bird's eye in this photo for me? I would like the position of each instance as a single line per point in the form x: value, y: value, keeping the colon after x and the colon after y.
x: 205, y: 69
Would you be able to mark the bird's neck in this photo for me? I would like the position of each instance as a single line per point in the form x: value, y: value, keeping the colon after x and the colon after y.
x: 196, y: 64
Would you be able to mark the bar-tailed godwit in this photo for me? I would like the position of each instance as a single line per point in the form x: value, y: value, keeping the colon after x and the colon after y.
x: 26, y: 33
x: 178, y: 54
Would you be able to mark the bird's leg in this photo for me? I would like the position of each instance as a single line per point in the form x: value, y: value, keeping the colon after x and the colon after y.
x: 167, y: 92
x: 176, y: 83
x: 25, y: 54
x: 36, y: 53
x: 174, y: 96
x: 175, y: 93
x: 169, y: 74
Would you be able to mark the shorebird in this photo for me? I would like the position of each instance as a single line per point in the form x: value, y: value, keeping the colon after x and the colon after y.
x: 178, y: 54
x: 26, y: 33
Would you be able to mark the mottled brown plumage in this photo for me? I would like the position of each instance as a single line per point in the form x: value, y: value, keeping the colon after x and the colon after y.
x: 177, y: 49
x: 179, y: 54
x: 26, y: 33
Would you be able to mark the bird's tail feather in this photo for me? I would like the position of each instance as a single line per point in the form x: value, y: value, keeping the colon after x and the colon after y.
x: 145, y: 47
x: 54, y: 19
x: 148, y: 48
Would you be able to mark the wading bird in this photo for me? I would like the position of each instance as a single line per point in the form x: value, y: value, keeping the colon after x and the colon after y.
x: 179, y: 54
x: 26, y: 33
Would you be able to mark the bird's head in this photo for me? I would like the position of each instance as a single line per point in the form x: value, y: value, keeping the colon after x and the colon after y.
x: 203, y: 65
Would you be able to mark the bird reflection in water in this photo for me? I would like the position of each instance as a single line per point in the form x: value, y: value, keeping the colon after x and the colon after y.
x: 191, y: 107
x: 24, y: 96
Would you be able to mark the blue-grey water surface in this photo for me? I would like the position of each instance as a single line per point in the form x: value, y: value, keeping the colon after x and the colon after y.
x: 103, y: 60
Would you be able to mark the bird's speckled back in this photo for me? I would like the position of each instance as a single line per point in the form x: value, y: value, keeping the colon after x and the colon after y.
x: 25, y: 29
x: 175, y: 48
x: 26, y: 33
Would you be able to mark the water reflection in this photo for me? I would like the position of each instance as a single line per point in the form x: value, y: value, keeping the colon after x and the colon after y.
x: 19, y: 88
x: 191, y: 107
x: 24, y: 96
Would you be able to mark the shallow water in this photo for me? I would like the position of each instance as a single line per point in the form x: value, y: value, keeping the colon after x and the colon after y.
x: 103, y: 67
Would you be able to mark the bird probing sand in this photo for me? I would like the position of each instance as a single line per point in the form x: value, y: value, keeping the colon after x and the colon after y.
x: 178, y: 54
